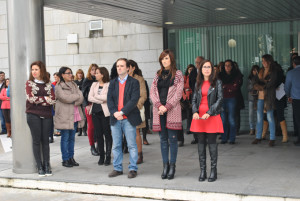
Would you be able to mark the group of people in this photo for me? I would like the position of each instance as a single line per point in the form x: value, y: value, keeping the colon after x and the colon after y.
x: 114, y: 109
x: 5, y: 105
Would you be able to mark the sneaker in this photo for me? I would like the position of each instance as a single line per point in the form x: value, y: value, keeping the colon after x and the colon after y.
x: 48, y: 171
x: 115, y: 173
x: 132, y: 174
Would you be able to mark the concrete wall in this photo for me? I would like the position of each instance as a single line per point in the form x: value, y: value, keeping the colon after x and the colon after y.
x: 117, y: 39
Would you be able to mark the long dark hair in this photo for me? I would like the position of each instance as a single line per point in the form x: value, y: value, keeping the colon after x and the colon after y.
x: 173, y: 68
x: 228, y: 78
x: 43, y: 72
x: 61, y: 71
x: 113, y: 71
x: 105, y: 74
x: 187, y: 69
x: 137, y: 70
x: 254, y: 67
x: 212, y: 78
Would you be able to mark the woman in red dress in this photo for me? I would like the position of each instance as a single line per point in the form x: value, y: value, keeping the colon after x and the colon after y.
x: 207, y: 122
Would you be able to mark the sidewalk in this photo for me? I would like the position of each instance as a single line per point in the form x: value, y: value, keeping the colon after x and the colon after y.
x: 244, y: 171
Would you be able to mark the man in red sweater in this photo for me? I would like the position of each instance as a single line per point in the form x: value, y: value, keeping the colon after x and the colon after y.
x: 123, y: 95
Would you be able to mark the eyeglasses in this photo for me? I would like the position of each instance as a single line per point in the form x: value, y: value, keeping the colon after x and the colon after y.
x: 206, y: 67
x: 68, y: 73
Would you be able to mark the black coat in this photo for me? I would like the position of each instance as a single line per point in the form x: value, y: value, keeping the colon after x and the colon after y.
x: 214, y: 98
x: 86, y: 86
x: 131, y: 98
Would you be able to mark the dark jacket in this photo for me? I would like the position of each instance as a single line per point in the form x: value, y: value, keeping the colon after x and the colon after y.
x: 214, y: 98
x: 193, y: 78
x: 86, y: 86
x: 79, y: 83
x: 268, y: 85
x: 131, y: 98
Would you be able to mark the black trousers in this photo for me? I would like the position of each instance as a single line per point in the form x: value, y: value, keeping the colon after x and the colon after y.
x: 6, y: 114
x: 101, y: 128
x: 296, y: 113
x: 40, y: 128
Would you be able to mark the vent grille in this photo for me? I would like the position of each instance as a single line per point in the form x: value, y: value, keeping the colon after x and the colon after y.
x: 96, y: 25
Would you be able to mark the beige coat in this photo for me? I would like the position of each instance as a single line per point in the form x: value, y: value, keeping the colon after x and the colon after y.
x: 99, y: 99
x: 67, y: 95
x: 143, y: 96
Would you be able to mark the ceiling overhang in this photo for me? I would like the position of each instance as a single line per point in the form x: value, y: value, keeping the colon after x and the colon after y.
x: 184, y: 13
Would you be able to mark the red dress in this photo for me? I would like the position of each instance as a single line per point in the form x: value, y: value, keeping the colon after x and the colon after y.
x: 211, y: 125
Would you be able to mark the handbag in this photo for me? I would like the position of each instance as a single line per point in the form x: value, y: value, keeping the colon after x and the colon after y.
x: 142, y: 113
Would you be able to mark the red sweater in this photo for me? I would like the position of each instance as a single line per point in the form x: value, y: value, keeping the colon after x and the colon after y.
x: 36, y: 102
x: 121, y: 97
x: 5, y: 100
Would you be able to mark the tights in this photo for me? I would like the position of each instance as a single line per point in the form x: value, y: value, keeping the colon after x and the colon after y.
x: 207, y: 138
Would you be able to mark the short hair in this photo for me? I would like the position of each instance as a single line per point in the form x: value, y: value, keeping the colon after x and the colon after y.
x: 56, y: 73
x: 88, y: 75
x: 296, y: 60
x: 79, y: 71
x: 105, y: 74
x: 43, y: 71
x: 122, y: 59
x: 1, y: 72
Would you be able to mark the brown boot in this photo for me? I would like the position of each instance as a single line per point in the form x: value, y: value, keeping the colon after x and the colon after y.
x: 8, y: 128
x: 265, y: 129
x: 252, y: 132
x: 140, y: 159
x: 284, y: 131
x: 271, y: 143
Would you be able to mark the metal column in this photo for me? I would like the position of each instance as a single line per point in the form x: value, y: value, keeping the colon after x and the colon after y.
x: 26, y: 45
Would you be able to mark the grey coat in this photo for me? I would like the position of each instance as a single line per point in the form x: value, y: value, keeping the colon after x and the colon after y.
x: 67, y: 95
x: 214, y: 98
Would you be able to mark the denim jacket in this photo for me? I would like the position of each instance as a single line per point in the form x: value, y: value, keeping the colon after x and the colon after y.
x: 214, y: 98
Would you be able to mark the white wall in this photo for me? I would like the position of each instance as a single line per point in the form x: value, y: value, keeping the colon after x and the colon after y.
x: 118, y: 39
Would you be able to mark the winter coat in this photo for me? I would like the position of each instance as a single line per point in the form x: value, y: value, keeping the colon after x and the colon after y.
x: 99, y: 99
x: 67, y: 96
x: 174, y: 118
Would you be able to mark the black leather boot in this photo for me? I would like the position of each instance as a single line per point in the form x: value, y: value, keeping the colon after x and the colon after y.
x: 202, y: 161
x: 80, y: 131
x: 41, y: 170
x: 67, y: 163
x: 213, y: 151
x: 94, y: 151
x: 101, y: 159
x: 171, y: 171
x: 165, y: 172
x: 48, y: 171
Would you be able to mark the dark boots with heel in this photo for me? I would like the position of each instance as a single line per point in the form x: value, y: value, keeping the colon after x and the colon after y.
x: 202, y: 161
x: 213, y: 151
x: 171, y: 173
x: 108, y: 152
x: 94, y: 151
x: 165, y: 172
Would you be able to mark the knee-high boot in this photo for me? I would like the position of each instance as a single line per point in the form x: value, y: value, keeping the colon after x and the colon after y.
x: 265, y: 129
x: 213, y: 151
x: 284, y: 131
x: 108, y: 143
x: 202, y: 161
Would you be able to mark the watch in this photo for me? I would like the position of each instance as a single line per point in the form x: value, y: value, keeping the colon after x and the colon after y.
x: 121, y: 112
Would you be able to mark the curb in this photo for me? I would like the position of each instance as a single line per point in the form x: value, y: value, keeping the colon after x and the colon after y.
x: 128, y: 191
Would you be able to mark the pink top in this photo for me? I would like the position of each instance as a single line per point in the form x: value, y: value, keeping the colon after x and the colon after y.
x: 5, y: 100
x: 76, y: 114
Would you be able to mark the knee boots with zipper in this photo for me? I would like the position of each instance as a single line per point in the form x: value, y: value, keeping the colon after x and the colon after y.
x: 213, y: 151
x: 202, y: 161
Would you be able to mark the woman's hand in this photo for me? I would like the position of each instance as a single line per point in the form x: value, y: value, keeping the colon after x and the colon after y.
x: 205, y: 116
x: 196, y: 116
x: 161, y: 110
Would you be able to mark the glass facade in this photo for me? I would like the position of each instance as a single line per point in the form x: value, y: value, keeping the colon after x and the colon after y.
x: 244, y: 43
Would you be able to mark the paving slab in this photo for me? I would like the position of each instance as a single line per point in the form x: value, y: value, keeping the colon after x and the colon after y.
x: 243, y: 169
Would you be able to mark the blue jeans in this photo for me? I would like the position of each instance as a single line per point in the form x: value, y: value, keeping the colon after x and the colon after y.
x: 168, y: 139
x: 3, y: 127
x: 228, y: 117
x: 67, y: 142
x: 251, y: 115
x: 260, y: 121
x: 120, y: 127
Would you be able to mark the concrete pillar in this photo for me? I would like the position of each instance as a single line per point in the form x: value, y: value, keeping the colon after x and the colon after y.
x: 26, y: 44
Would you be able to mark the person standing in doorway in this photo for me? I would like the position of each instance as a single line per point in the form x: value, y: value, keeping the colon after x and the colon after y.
x: 2, y: 86
x: 122, y: 98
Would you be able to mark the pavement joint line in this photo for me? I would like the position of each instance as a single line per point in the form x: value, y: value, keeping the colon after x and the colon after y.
x: 129, y: 191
